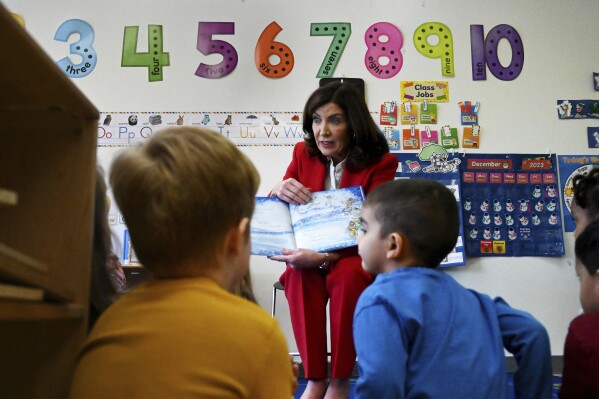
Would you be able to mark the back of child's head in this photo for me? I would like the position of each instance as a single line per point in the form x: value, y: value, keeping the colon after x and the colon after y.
x: 180, y: 193
x: 424, y: 211
x: 586, y: 191
x: 586, y: 248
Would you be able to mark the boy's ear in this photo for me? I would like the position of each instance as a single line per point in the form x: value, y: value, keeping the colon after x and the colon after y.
x: 237, y: 237
x: 395, y: 246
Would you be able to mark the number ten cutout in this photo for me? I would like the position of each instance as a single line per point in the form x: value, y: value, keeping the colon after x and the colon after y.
x: 378, y: 49
x: 207, y: 45
x: 342, y: 32
x: 155, y: 59
x: 484, y: 52
x: 267, y: 47
x: 82, y: 47
x: 443, y: 50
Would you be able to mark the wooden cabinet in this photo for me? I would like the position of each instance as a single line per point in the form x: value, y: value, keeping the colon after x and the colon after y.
x: 47, y: 171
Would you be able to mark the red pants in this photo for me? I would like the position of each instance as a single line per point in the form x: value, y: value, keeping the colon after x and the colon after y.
x: 307, y: 292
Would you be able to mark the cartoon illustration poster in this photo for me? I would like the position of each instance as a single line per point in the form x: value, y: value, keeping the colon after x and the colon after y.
x: 570, y: 166
x: 511, y: 205
x: 434, y: 162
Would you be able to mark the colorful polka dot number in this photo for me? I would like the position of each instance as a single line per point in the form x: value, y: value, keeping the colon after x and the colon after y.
x: 207, y: 45
x: 512, y: 71
x: 266, y: 48
x: 384, y: 42
x: 82, y: 48
x: 155, y: 59
x: 442, y: 50
x: 341, y: 33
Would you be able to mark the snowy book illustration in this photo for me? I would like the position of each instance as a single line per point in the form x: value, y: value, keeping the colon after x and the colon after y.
x: 328, y: 222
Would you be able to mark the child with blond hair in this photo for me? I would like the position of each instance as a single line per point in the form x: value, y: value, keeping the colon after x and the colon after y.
x: 187, y: 196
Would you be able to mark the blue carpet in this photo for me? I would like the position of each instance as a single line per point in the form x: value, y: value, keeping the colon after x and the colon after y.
x: 557, y: 380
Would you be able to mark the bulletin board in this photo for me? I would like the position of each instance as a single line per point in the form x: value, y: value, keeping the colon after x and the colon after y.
x: 537, y: 63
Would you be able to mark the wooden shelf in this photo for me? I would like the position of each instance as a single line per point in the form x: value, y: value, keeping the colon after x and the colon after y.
x: 47, y: 183
x: 20, y: 268
x: 8, y: 197
x: 23, y: 260
x: 19, y: 310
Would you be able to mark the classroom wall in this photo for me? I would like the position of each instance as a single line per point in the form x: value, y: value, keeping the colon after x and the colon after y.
x: 517, y: 116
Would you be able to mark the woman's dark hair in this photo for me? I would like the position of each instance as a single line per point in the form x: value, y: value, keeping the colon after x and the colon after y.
x: 586, y: 191
x: 102, y: 291
x: 586, y: 247
x: 366, y: 142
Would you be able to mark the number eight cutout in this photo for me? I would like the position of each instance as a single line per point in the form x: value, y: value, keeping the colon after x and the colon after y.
x: 443, y: 50
x: 486, y: 52
x: 82, y: 47
x: 389, y: 49
x: 267, y: 47
x: 342, y: 32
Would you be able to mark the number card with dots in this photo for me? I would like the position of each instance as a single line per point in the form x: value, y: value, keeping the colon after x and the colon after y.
x: 443, y: 49
x: 267, y: 49
x: 341, y: 32
x: 484, y: 52
x: 155, y: 59
x: 383, y: 58
x: 82, y: 48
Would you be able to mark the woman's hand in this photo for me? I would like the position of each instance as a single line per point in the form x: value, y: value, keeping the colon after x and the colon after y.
x: 292, y: 191
x: 300, y: 258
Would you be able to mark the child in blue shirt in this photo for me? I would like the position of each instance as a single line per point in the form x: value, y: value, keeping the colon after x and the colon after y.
x: 420, y: 334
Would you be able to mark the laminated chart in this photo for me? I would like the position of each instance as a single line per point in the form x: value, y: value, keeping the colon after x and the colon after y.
x: 123, y: 129
x: 511, y: 205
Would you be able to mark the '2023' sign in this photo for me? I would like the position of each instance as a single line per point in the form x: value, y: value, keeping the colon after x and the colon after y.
x: 274, y: 59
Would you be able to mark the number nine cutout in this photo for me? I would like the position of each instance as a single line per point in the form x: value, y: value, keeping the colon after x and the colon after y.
x: 443, y: 50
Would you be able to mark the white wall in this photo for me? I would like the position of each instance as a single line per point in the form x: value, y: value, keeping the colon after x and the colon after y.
x: 561, y: 52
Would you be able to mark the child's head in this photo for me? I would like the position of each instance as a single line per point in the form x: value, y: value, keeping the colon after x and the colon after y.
x: 586, y: 249
x: 412, y: 222
x: 181, y: 193
x: 585, y: 205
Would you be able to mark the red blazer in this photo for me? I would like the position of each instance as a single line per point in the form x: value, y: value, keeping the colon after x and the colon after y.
x: 311, y: 172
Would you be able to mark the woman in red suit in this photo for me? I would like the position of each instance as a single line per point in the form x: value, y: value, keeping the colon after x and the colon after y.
x: 343, y: 147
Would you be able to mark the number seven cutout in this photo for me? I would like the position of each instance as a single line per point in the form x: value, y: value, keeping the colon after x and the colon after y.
x: 341, y: 32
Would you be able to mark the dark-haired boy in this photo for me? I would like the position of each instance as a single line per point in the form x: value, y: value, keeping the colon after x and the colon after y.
x: 581, y: 351
x: 418, y: 332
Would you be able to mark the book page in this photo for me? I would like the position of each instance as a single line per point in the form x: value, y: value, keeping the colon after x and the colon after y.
x: 329, y: 221
x: 271, y: 227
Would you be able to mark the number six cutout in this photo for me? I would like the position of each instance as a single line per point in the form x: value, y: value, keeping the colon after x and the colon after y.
x: 267, y: 47
x: 378, y: 49
x: 443, y: 50
x: 82, y: 47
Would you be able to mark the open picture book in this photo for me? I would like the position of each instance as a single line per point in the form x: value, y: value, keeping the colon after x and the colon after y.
x: 330, y: 221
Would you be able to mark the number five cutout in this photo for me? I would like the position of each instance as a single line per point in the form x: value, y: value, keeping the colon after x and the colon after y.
x: 267, y: 47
